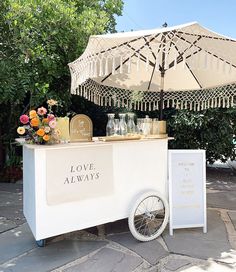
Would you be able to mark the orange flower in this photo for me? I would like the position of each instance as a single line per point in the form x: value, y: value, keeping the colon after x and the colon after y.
x: 46, y: 137
x: 45, y: 120
x: 34, y: 122
x: 40, y: 132
x: 33, y: 114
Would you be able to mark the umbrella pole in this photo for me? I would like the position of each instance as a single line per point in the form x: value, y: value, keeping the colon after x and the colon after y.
x: 161, y: 96
x: 162, y: 70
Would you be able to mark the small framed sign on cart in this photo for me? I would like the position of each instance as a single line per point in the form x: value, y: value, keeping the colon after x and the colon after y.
x: 187, y: 189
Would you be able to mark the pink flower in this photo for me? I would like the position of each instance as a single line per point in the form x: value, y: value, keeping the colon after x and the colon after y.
x: 51, y: 117
x: 52, y: 124
x: 41, y: 111
x: 24, y: 119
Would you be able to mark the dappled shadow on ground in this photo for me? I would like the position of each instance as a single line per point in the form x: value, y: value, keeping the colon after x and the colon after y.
x: 221, y: 188
x: 221, y: 179
x: 194, y: 243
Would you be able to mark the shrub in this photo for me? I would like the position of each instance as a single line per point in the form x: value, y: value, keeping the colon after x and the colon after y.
x: 213, y: 130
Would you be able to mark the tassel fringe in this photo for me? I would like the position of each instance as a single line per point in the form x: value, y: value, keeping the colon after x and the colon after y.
x: 193, y: 100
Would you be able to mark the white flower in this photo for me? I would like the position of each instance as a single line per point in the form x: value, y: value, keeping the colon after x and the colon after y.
x: 47, y: 129
x: 21, y: 130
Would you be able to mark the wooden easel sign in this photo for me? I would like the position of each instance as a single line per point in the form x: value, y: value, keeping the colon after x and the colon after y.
x: 81, y: 128
x: 187, y: 189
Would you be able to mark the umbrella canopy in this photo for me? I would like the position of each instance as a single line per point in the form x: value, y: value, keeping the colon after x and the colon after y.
x: 178, y: 65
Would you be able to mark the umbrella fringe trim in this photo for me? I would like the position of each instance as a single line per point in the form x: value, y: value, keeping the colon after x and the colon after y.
x: 196, y: 100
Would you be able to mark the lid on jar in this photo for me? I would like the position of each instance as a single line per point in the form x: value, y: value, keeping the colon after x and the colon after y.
x: 130, y: 114
x: 122, y: 114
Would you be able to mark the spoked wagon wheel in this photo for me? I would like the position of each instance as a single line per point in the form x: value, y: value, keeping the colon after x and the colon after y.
x: 149, y: 216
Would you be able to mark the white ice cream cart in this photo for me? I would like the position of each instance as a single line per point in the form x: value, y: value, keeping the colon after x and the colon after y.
x: 74, y: 186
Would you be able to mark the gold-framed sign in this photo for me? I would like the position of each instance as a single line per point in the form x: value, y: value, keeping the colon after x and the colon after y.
x: 81, y: 128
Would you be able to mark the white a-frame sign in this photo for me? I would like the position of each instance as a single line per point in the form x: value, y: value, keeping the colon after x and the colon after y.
x: 187, y: 189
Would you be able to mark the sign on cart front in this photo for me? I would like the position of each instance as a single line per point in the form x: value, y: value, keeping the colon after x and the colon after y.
x: 79, y: 173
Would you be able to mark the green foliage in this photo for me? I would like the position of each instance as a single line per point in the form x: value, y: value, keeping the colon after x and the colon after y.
x: 38, y: 39
x: 43, y: 37
x: 13, y: 157
x: 213, y: 130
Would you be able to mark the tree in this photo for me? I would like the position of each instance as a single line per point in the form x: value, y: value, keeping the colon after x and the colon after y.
x: 38, y: 39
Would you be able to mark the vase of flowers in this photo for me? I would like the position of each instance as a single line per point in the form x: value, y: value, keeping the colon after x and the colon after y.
x: 39, y: 126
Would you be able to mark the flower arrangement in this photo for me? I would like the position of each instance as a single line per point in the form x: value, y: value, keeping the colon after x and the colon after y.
x: 39, y: 126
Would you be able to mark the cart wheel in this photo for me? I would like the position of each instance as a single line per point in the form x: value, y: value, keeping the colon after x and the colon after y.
x: 41, y: 243
x: 149, y: 216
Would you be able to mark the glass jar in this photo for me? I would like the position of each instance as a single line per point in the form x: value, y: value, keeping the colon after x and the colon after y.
x: 122, y: 123
x: 110, y: 128
x: 131, y: 129
x: 155, y: 126
x: 147, y: 124
x: 117, y: 126
x: 139, y: 127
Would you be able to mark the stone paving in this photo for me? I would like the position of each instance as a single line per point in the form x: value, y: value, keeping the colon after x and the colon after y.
x: 111, y: 248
